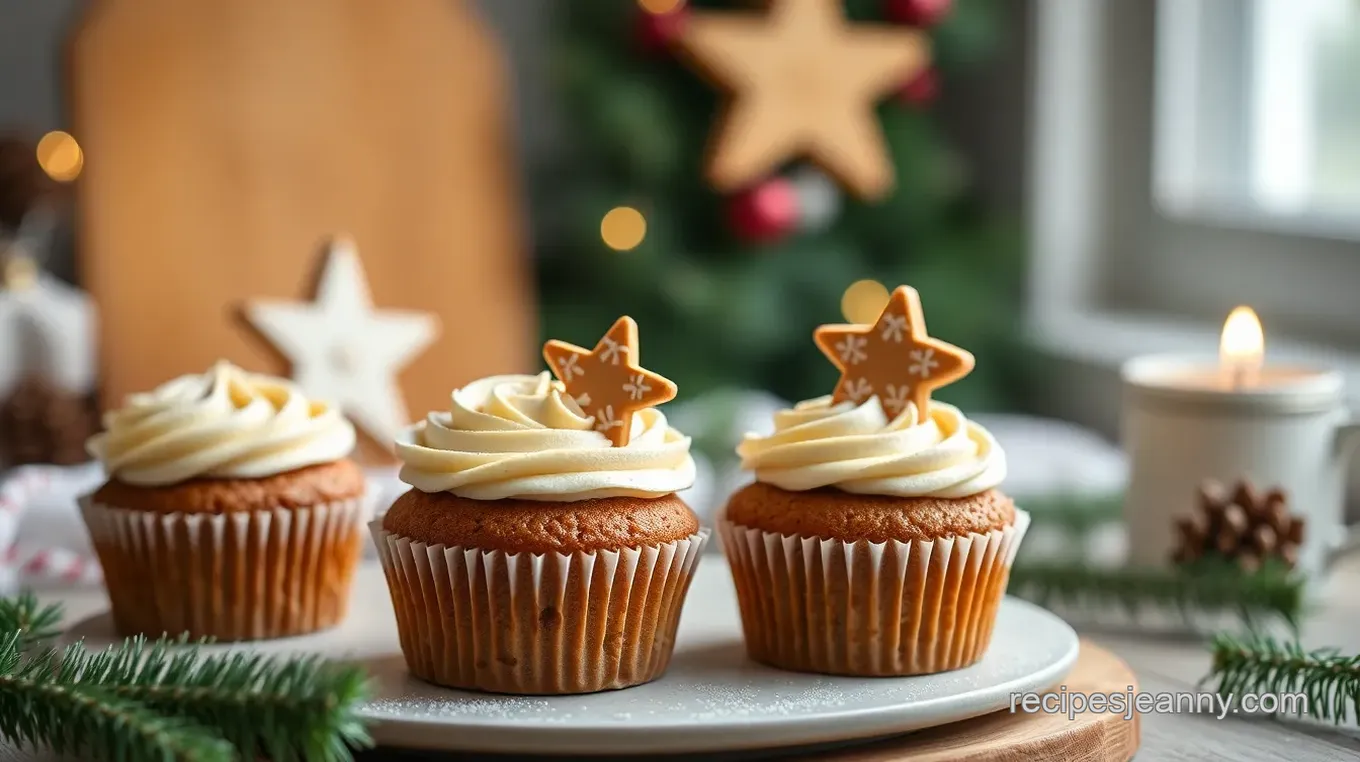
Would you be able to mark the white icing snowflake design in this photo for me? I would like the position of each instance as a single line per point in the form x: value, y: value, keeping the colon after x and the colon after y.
x: 896, y: 398
x: 858, y: 390
x: 605, y: 420
x: 612, y: 351
x: 583, y: 400
x: 922, y: 362
x: 851, y: 349
x: 894, y: 328
x: 570, y: 367
x: 637, y: 386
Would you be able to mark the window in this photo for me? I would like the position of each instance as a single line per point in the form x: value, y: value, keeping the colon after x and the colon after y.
x: 1189, y: 156
x: 1192, y: 155
x: 1258, y: 112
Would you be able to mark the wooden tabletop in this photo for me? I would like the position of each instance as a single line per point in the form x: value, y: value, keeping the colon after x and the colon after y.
x: 1162, y: 664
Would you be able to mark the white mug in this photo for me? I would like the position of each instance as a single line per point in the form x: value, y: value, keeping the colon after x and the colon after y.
x: 1184, y: 424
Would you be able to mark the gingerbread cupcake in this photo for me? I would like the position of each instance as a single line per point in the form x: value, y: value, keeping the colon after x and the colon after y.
x: 542, y: 548
x: 231, y: 509
x: 874, y: 541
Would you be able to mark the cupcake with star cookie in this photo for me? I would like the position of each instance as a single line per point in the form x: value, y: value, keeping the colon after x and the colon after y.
x: 874, y: 540
x: 231, y: 511
x: 542, y: 548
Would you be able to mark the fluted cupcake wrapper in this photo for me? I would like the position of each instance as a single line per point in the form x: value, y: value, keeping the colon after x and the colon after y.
x: 248, y: 575
x: 869, y: 609
x: 537, y: 624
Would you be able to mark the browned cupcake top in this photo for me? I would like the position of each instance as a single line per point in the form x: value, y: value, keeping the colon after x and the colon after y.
x: 301, y: 488
x: 534, y: 526
x: 832, y: 514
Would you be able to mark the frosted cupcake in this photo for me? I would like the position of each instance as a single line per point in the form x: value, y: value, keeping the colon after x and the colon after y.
x: 874, y: 540
x: 231, y: 509
x: 542, y: 549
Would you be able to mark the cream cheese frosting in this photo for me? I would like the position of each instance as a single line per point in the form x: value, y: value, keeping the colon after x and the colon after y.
x: 225, y: 423
x: 856, y: 448
x: 521, y: 436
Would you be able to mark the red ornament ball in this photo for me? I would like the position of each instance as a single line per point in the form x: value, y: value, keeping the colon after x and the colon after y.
x: 917, y: 12
x: 657, y: 32
x: 766, y: 212
x: 921, y: 90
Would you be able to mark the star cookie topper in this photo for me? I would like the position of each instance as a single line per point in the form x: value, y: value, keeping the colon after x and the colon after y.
x: 892, y: 359
x: 607, y: 381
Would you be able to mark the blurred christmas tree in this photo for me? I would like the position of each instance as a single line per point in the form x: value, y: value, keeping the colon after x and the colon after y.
x: 728, y: 286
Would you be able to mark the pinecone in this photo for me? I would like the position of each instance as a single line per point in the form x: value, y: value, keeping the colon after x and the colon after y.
x: 1243, y: 526
x: 40, y: 423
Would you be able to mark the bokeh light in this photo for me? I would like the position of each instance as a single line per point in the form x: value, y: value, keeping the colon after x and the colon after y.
x: 60, y: 156
x: 660, y: 6
x: 623, y: 228
x: 863, y: 301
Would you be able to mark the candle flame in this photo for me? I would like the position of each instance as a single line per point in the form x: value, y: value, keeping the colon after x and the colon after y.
x: 1242, y: 347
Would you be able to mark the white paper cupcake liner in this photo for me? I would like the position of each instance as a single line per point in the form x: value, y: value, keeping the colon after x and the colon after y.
x: 537, y: 624
x: 234, y: 576
x: 870, y: 609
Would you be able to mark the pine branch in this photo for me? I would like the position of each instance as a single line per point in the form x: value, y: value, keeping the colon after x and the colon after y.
x: 1262, y: 665
x: 151, y: 701
x: 296, y: 709
x: 1211, y: 587
x: 34, y: 623
x: 301, y: 708
x: 38, y: 709
x: 1076, y: 513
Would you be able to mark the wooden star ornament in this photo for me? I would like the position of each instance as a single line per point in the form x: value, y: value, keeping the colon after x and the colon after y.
x: 893, y: 359
x: 802, y: 81
x: 607, y: 382
x: 343, y: 349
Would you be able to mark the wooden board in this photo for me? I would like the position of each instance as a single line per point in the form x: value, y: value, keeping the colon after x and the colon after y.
x: 224, y: 141
x: 1003, y: 736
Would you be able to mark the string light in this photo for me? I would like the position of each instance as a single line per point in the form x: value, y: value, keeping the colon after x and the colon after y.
x: 60, y: 156
x: 623, y: 228
x: 660, y: 7
x: 863, y: 301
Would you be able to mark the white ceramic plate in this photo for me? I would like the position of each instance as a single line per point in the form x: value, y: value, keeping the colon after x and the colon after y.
x: 712, y: 698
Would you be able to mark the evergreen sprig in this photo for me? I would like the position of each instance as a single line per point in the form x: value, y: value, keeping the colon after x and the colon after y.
x: 300, y: 708
x: 1263, y: 665
x: 167, y: 700
x: 1210, y: 587
x: 33, y: 622
x: 42, y: 704
x: 1076, y: 513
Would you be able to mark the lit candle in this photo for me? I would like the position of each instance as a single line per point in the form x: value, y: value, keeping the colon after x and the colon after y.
x: 1279, y: 426
x: 1242, y: 348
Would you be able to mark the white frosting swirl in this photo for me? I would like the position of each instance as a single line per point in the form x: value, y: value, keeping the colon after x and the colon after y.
x: 856, y: 448
x: 225, y: 423
x: 522, y: 437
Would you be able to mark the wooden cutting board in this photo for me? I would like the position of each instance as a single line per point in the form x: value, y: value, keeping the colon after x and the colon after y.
x: 226, y: 140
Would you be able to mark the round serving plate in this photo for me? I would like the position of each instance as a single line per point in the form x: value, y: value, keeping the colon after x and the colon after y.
x: 712, y: 698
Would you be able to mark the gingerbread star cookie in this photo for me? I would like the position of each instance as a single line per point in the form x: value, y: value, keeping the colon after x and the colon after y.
x: 892, y: 359
x: 802, y: 81
x: 607, y: 382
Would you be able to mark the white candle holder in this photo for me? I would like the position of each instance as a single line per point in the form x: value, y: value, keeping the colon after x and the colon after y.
x: 1185, y: 422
